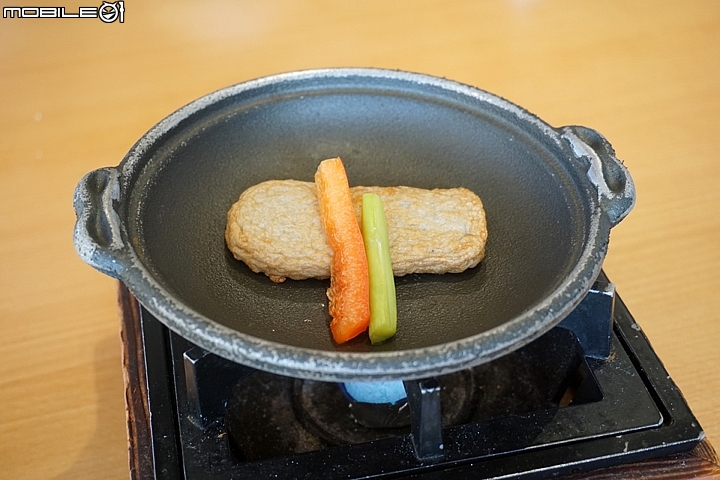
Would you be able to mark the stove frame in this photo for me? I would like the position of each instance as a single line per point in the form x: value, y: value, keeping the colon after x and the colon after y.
x: 177, y: 429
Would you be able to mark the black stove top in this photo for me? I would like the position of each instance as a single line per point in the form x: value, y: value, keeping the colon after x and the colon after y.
x: 590, y: 393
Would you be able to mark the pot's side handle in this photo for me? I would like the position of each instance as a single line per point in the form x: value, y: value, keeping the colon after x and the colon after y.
x: 616, y: 190
x: 97, y: 235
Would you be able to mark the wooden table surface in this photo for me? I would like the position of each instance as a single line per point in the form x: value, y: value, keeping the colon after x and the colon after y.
x: 75, y: 94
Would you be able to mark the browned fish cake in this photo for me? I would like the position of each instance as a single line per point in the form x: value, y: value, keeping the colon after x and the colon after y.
x: 275, y: 228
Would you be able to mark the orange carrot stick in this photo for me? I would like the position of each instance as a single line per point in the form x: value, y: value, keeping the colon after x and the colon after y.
x: 349, y: 291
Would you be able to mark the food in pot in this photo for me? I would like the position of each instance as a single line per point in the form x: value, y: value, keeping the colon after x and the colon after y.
x: 348, y: 295
x: 383, y: 303
x: 275, y: 228
x: 298, y: 230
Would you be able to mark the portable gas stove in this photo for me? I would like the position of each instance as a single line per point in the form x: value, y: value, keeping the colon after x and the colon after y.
x: 589, y: 394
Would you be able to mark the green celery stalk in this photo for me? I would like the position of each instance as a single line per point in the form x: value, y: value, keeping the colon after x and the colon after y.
x: 383, y: 304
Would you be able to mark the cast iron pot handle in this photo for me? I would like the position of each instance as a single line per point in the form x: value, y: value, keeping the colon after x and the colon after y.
x: 97, y: 235
x: 616, y: 190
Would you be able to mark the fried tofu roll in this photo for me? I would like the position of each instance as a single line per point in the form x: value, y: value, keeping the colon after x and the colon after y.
x: 275, y: 228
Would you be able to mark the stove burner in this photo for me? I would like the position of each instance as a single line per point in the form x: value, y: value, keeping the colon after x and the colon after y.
x: 326, y: 410
x: 270, y: 415
x: 323, y: 409
x: 554, y: 407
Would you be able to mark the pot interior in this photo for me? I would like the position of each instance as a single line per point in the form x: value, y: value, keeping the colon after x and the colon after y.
x: 387, y: 133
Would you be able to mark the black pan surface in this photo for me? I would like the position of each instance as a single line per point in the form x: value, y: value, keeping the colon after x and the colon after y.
x: 538, y: 215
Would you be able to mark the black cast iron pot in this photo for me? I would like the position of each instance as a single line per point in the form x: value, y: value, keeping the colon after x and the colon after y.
x: 156, y: 221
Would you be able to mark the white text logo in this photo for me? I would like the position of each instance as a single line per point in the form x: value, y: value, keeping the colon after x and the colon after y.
x: 107, y: 12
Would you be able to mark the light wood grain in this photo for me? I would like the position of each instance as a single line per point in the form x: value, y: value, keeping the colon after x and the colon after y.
x: 76, y: 94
